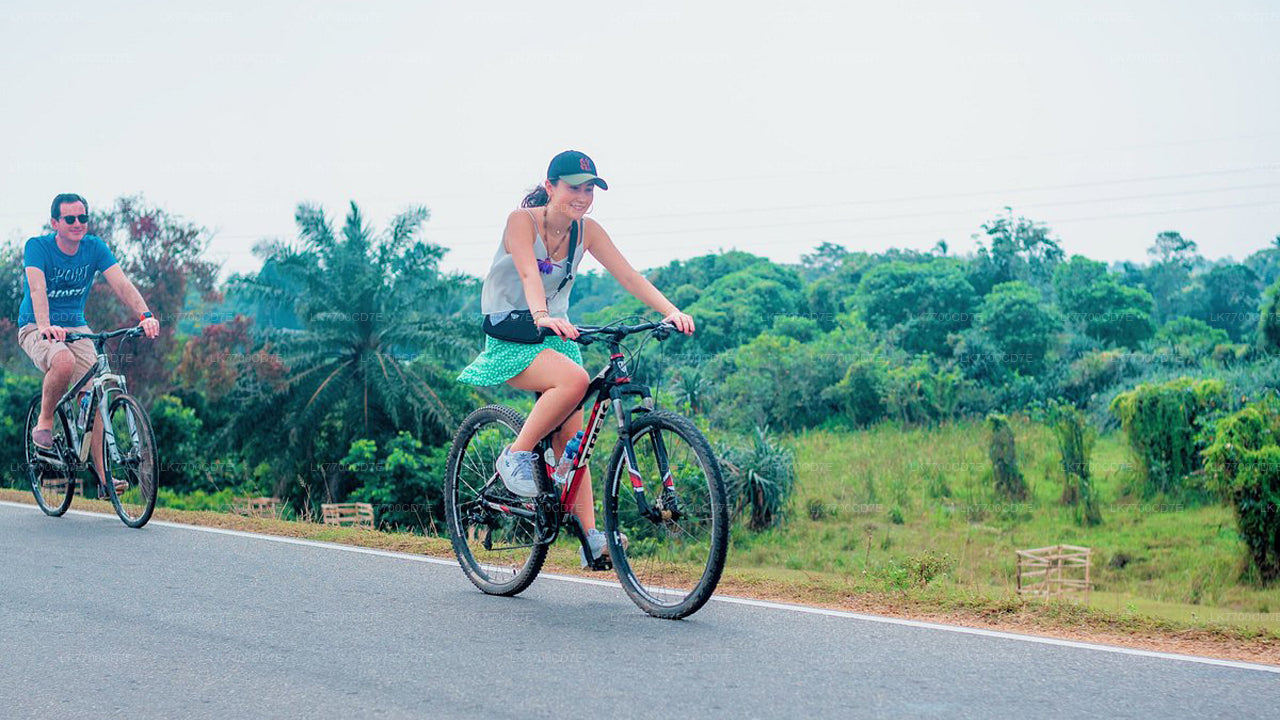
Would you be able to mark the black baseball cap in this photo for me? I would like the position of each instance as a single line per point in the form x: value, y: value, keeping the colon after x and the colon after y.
x: 574, y: 168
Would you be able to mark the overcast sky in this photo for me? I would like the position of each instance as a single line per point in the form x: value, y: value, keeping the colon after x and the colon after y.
x: 768, y: 127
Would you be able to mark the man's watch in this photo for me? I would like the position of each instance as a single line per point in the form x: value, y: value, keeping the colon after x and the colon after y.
x: 145, y: 315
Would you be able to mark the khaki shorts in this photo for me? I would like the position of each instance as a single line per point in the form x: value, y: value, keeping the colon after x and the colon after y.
x: 41, y: 351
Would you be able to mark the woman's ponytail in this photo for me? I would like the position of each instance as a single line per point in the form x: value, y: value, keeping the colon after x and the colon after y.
x: 537, y: 197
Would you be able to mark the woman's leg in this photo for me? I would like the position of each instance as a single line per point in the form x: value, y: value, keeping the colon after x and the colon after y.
x: 562, y: 383
x: 583, y: 500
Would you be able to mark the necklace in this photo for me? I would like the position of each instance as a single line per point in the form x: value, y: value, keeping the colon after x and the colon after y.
x: 547, y: 234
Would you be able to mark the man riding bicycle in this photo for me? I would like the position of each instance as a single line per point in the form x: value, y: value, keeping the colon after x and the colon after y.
x: 59, y: 271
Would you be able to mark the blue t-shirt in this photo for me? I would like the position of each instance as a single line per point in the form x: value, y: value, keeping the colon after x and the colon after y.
x: 67, y: 278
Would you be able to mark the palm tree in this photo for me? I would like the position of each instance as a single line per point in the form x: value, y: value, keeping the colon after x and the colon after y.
x: 378, y: 321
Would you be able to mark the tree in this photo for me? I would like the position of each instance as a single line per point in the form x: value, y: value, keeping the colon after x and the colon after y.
x: 1021, y: 249
x: 1232, y: 295
x: 1100, y: 306
x: 368, y: 304
x: 163, y: 255
x: 742, y: 304
x: 1170, y: 272
x: 918, y: 304
x: 1014, y: 318
x: 824, y: 260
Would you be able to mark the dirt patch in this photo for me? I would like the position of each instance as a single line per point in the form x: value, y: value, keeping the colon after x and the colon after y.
x: 1047, y: 620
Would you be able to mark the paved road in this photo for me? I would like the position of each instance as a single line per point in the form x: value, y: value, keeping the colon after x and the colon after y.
x: 194, y: 624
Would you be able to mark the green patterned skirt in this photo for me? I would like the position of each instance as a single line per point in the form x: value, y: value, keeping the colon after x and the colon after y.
x: 502, y: 360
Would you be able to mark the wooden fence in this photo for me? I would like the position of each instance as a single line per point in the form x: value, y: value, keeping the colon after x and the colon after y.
x: 357, y: 514
x: 1054, y: 571
x: 257, y: 507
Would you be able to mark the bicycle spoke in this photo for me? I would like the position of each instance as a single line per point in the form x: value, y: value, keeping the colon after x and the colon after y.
x: 667, y: 559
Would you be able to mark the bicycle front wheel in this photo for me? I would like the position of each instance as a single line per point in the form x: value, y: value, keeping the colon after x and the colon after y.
x: 53, y: 487
x: 494, y: 533
x: 129, y: 454
x: 668, y: 555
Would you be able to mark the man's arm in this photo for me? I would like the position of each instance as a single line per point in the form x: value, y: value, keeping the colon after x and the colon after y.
x: 130, y: 297
x: 40, y: 305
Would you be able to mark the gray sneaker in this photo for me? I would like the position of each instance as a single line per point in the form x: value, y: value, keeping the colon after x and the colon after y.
x: 599, y: 544
x: 515, y: 467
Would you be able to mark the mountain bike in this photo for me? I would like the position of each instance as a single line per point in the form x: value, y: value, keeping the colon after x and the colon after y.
x: 128, y: 445
x: 666, y: 517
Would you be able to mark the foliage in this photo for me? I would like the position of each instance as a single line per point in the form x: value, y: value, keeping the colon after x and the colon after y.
x: 16, y: 392
x: 1075, y: 444
x: 378, y: 319
x: 1020, y: 250
x: 756, y: 389
x: 918, y: 305
x: 760, y: 479
x: 1163, y: 423
x: 1189, y: 338
x: 1013, y: 316
x: 1231, y: 295
x: 404, y: 483
x: 1243, y: 464
x: 1003, y: 453
x: 163, y: 255
x: 1269, y: 321
x: 1100, y: 306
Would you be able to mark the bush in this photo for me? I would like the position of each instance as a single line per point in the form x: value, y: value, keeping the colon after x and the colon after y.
x: 1163, y: 426
x: 405, y: 484
x: 16, y: 392
x: 1004, y: 459
x: 1243, y: 464
x: 760, y: 479
x: 1075, y: 443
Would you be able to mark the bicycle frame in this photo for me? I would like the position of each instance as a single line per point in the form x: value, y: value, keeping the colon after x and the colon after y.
x: 96, y: 376
x: 608, y: 388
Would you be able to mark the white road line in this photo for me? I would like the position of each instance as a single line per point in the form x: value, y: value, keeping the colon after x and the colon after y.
x: 716, y: 598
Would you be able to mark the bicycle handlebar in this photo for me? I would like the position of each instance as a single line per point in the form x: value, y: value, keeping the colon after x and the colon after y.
x: 129, y: 331
x: 588, y: 334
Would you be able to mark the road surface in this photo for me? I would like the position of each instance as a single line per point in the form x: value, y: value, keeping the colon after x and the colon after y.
x: 174, y: 622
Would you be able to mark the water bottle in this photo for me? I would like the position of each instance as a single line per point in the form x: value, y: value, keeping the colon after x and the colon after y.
x: 561, y: 474
x: 84, y: 411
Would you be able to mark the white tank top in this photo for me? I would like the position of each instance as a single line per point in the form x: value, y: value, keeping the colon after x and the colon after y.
x: 502, y: 291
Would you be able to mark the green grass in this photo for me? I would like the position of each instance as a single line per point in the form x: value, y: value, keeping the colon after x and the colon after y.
x: 1158, y: 557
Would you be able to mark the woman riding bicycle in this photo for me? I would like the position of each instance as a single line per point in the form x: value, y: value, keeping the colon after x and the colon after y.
x: 532, y: 270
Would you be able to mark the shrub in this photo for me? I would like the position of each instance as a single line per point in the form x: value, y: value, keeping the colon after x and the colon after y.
x: 405, y: 483
x: 1075, y: 443
x: 1162, y: 423
x: 760, y: 479
x: 1004, y: 459
x: 1243, y: 464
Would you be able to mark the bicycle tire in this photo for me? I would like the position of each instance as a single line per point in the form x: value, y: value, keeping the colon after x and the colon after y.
x: 669, y: 424
x: 53, y: 506
x: 140, y: 465
x: 479, y: 422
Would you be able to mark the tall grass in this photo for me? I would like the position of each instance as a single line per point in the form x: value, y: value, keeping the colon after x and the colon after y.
x: 865, y: 501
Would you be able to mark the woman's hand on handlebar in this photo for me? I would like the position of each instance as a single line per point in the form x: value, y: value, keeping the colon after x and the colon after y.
x: 681, y: 321
x: 559, y: 326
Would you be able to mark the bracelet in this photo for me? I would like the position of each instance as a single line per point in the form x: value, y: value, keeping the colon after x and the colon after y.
x: 543, y: 312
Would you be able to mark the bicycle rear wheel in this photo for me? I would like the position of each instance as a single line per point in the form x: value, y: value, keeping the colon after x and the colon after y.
x: 671, y: 559
x: 53, y: 487
x: 497, y: 550
x: 131, y: 463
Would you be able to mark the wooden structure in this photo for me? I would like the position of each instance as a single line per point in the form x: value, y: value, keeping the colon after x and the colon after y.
x: 1054, y: 571
x: 355, y: 514
x: 257, y: 507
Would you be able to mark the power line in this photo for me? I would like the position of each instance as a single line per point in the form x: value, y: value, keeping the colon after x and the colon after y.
x: 914, y: 198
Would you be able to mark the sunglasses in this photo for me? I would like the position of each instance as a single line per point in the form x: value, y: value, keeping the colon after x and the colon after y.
x: 70, y: 219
